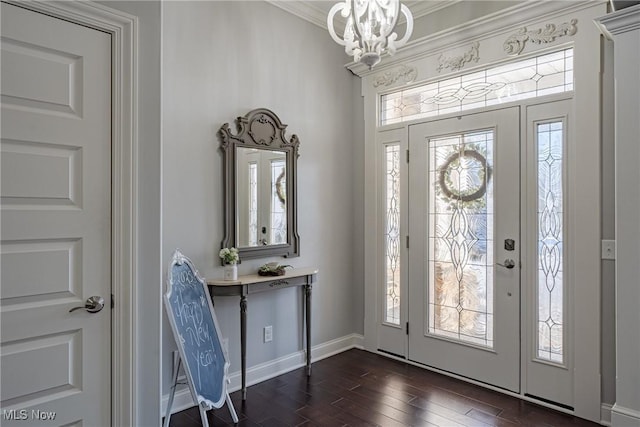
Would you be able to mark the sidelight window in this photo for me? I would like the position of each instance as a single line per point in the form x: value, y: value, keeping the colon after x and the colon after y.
x: 550, y: 159
x: 392, y: 234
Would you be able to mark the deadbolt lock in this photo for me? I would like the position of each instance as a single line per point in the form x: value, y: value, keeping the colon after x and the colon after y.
x: 509, y: 244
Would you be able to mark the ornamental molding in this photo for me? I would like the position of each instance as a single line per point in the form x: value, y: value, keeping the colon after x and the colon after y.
x: 406, y: 73
x: 487, y: 27
x: 516, y: 42
x: 455, y: 63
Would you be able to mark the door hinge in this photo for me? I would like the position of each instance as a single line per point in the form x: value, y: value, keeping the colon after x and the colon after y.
x: 407, y: 156
x: 113, y: 301
x: 407, y: 328
x: 407, y: 241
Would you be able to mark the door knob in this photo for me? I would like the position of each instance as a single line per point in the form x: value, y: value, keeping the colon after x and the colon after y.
x: 508, y: 263
x: 93, y: 304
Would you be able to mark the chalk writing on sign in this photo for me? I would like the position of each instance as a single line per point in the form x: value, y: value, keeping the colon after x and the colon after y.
x: 196, y: 330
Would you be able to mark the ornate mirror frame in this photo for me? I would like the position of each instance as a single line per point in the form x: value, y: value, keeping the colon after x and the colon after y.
x: 260, y: 128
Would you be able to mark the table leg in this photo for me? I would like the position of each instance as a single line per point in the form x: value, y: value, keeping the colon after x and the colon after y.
x: 243, y: 344
x: 307, y: 310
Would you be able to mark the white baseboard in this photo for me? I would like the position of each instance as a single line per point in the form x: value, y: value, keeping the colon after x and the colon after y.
x: 605, y: 414
x: 271, y: 369
x: 624, y: 417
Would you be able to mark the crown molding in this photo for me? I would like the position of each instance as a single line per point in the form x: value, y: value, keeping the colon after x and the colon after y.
x: 304, y: 10
x: 318, y: 16
x: 485, y: 26
x: 620, y: 22
x: 424, y: 8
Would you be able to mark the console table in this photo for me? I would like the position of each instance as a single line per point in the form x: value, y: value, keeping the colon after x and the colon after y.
x: 254, y: 283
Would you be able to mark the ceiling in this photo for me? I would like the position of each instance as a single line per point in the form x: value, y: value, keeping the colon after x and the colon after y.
x: 316, y: 11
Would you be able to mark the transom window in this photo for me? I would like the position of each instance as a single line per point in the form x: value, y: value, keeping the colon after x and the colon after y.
x: 529, y: 78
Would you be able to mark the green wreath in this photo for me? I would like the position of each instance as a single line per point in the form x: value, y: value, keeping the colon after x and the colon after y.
x: 281, y: 191
x: 445, y: 181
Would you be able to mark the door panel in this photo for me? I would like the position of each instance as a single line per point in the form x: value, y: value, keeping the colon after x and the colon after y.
x: 463, y: 278
x: 56, y: 220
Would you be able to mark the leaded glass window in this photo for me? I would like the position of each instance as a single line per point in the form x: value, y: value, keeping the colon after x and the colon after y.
x: 550, y: 141
x: 461, y: 237
x: 253, y: 204
x: 529, y: 78
x: 392, y: 234
x: 278, y: 203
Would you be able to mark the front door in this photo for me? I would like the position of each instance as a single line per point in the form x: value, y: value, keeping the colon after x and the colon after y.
x: 464, y: 262
x: 56, y: 221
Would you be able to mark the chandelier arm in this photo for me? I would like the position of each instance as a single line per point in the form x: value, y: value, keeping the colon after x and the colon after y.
x: 409, y: 18
x: 395, y: 17
x: 332, y: 12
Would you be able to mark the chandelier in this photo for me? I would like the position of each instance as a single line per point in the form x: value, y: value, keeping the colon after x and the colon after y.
x: 369, y: 31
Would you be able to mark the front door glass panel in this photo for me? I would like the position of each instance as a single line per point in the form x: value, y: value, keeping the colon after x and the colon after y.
x: 460, y: 297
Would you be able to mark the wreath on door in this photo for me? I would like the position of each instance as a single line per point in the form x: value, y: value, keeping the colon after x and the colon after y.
x: 281, y: 187
x: 452, y: 163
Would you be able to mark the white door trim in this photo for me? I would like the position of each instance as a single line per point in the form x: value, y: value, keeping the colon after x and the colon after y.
x: 124, y: 33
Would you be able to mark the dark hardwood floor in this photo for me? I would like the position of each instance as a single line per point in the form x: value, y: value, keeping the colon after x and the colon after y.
x: 358, y: 388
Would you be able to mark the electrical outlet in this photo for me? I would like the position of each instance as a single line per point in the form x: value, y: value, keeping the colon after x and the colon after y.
x: 608, y: 249
x: 268, y: 333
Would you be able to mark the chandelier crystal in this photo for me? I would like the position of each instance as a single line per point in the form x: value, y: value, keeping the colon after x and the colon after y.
x: 369, y: 31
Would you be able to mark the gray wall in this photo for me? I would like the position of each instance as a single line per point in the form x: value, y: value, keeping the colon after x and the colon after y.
x: 456, y: 14
x: 220, y: 60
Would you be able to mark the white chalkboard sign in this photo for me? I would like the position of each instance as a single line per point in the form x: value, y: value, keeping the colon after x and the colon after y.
x: 195, y: 329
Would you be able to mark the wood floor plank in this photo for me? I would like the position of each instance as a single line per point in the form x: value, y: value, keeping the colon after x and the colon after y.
x: 368, y: 414
x: 361, y: 389
x: 321, y: 415
x: 436, y: 414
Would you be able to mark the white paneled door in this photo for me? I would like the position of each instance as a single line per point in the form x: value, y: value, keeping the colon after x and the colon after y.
x: 464, y: 262
x: 56, y: 221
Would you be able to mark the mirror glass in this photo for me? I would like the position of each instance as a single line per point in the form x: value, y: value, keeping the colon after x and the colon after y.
x: 261, y: 193
x: 260, y: 170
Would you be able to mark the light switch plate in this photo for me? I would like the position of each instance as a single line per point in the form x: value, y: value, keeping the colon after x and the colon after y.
x: 268, y: 333
x: 608, y: 249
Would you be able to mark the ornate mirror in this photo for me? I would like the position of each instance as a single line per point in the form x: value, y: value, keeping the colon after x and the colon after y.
x: 260, y: 186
